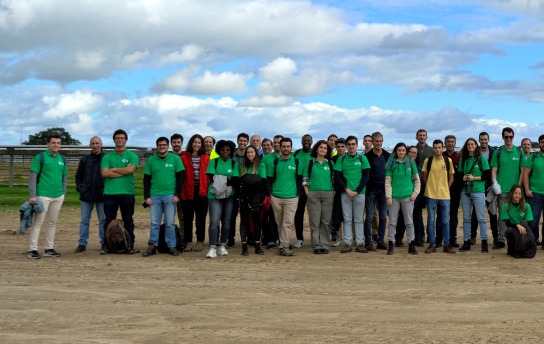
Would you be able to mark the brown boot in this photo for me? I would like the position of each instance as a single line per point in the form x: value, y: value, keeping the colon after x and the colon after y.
x: 473, y: 240
x: 346, y: 248
x: 430, y: 249
x: 189, y: 247
x: 361, y: 249
x: 287, y: 252
x: 198, y: 246
x: 370, y: 247
x: 381, y: 246
x: 448, y: 249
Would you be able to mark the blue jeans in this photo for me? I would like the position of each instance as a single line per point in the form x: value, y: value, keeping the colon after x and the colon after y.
x: 220, y: 210
x: 353, y: 208
x: 479, y: 206
x: 163, y: 205
x: 86, y: 211
x: 444, y: 205
x: 537, y: 205
x: 372, y: 197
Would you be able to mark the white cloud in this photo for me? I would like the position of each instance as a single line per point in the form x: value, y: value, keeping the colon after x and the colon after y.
x: 260, y: 101
x: 176, y: 81
x: 128, y: 61
x: 89, y: 60
x: 188, y: 53
x: 219, y: 83
x: 78, y: 102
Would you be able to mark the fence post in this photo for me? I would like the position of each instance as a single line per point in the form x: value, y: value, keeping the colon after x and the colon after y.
x: 11, y: 171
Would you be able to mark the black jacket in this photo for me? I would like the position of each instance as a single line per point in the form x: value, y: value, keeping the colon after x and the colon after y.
x: 376, y: 184
x: 89, y: 180
x: 252, y: 190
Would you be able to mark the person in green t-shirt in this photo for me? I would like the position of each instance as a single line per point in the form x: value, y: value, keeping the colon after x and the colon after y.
x: 163, y: 181
x: 516, y: 215
x: 304, y: 156
x: 224, y: 176
x: 533, y: 181
x: 284, y: 186
x: 402, y: 186
x: 506, y: 172
x: 118, y: 168
x: 47, y: 185
x: 318, y: 184
x: 351, y: 173
x: 252, y: 195
x: 270, y: 228
x: 476, y: 173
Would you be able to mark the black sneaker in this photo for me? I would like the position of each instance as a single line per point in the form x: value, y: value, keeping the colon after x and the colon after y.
x: 173, y: 251
x: 231, y: 243
x: 51, y: 253
x: 454, y: 243
x: 131, y: 250
x: 105, y: 249
x: 80, y: 249
x: 271, y: 244
x: 34, y: 255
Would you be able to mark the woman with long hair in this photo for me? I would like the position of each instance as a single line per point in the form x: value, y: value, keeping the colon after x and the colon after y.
x: 224, y: 176
x: 194, y: 195
x: 317, y: 181
x: 252, y: 195
x: 517, y: 213
x: 476, y: 171
x: 402, y: 186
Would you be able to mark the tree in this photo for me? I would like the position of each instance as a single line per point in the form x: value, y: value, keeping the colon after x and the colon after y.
x: 41, y: 137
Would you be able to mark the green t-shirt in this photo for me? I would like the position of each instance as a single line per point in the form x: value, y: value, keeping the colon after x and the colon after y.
x: 401, y: 179
x: 224, y: 168
x: 285, y: 185
x: 261, y: 170
x: 508, y: 175
x: 163, y: 173
x: 123, y: 185
x: 50, y: 184
x: 536, y: 180
x: 303, y: 158
x: 352, y: 168
x: 513, y: 214
x: 269, y: 159
x: 477, y: 185
x: 321, y: 176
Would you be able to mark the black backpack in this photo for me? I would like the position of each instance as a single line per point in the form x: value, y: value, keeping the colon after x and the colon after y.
x: 499, y: 157
x: 311, y: 165
x: 522, y: 245
x: 162, y: 247
x: 430, y: 163
x: 232, y: 161
x: 42, y: 160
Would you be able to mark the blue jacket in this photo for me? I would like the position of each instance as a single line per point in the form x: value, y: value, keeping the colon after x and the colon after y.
x: 27, y: 213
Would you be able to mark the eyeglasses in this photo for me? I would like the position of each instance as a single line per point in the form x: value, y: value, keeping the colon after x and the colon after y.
x: 164, y: 145
x: 508, y: 137
x: 351, y: 144
x: 120, y: 138
x: 414, y: 153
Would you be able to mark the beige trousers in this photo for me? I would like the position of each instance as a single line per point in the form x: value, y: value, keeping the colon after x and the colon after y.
x: 284, y: 212
x: 51, y: 213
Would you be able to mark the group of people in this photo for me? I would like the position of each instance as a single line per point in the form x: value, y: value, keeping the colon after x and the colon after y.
x: 271, y: 186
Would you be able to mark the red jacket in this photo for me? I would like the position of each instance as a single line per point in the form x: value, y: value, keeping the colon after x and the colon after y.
x: 188, y: 190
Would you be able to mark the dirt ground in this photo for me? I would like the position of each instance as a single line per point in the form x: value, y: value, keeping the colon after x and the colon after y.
x: 88, y: 298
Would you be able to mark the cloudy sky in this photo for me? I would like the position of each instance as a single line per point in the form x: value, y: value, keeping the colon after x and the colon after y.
x: 220, y: 67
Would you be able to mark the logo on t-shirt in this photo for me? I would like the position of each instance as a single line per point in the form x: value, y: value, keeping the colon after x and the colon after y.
x: 61, y: 163
x: 229, y: 171
x: 124, y: 160
x: 357, y: 163
x: 326, y: 168
x: 168, y: 165
x: 444, y: 167
x: 515, y: 158
x: 291, y: 168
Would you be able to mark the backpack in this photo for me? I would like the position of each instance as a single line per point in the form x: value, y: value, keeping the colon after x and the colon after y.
x: 344, y: 178
x: 232, y: 160
x: 42, y: 160
x: 430, y: 163
x: 478, y: 161
x: 522, y: 246
x: 277, y: 160
x: 162, y: 247
x: 117, y: 237
x: 311, y: 164
x: 499, y: 157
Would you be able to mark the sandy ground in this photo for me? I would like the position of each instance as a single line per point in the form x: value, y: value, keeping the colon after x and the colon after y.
x: 87, y: 298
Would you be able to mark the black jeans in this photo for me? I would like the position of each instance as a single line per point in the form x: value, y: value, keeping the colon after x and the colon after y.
x: 246, y: 215
x: 337, y: 216
x: 124, y: 202
x: 299, y: 216
x: 235, y: 208
x: 199, y: 206
x: 270, y: 227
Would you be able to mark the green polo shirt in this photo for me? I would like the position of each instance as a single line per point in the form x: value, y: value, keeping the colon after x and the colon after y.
x: 536, y: 180
x: 163, y: 173
x: 123, y: 185
x: 50, y: 184
x: 269, y: 159
x: 321, y: 176
x: 352, y: 169
x: 465, y: 167
x: 304, y: 158
x: 285, y: 185
x: 513, y: 214
x: 261, y: 170
x: 401, y: 179
x: 224, y: 168
x: 508, y: 175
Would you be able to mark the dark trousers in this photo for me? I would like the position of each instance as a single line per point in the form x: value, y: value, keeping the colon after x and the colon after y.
x: 270, y: 228
x: 124, y: 202
x: 235, y: 208
x: 299, y: 217
x: 337, y: 216
x: 197, y: 206
x: 372, y: 197
x: 455, y: 201
x: 537, y: 205
x: 246, y: 215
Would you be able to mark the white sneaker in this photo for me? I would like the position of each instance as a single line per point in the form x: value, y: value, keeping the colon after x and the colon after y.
x: 337, y: 243
x: 211, y: 253
x: 299, y: 244
x: 223, y: 251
